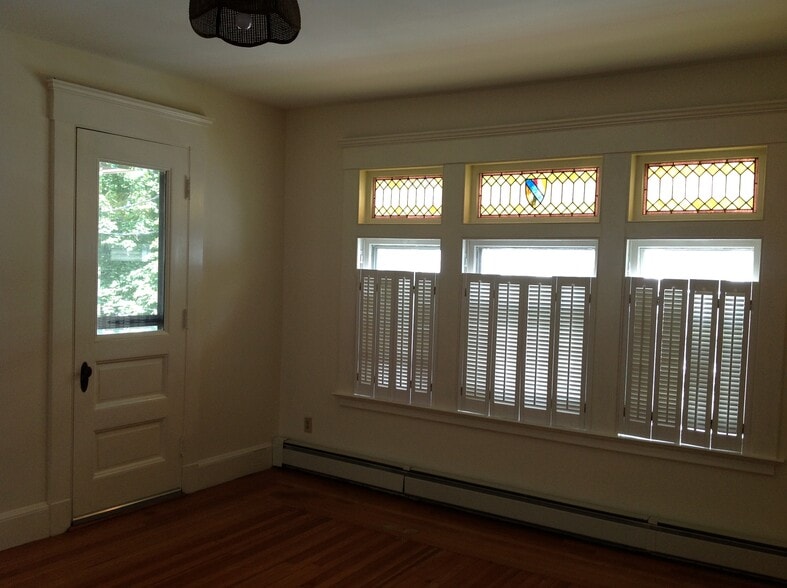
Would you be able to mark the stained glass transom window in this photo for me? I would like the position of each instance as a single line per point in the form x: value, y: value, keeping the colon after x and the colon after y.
x: 541, y: 193
x: 405, y: 197
x: 707, y: 186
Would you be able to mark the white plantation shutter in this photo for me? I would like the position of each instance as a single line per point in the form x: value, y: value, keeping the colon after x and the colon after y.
x: 365, y: 321
x: 572, y: 315
x: 700, y: 361
x: 424, y: 312
x: 525, y: 343
x: 477, y: 338
x: 670, y: 344
x: 732, y: 358
x: 698, y: 364
x: 505, y: 357
x: 538, y: 343
x: 641, y: 330
x: 395, y: 336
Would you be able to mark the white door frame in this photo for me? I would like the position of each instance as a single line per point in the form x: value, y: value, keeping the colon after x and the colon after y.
x: 70, y: 107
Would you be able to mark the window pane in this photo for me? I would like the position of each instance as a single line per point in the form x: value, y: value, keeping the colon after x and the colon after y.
x: 706, y: 186
x: 130, y: 264
x: 530, y: 258
x: 408, y: 197
x: 700, y: 259
x: 552, y: 192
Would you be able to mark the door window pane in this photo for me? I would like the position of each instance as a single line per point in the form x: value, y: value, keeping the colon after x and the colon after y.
x: 130, y: 248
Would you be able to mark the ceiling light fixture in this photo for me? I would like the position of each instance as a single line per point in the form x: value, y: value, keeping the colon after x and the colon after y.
x: 246, y: 23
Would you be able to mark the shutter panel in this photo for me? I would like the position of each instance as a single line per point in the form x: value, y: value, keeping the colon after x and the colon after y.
x: 505, y: 359
x: 572, y: 314
x: 424, y: 312
x: 401, y: 337
x: 536, y: 372
x: 700, y: 360
x: 670, y: 345
x: 364, y: 378
x: 641, y: 332
x: 386, y: 283
x: 476, y: 342
x: 731, y: 370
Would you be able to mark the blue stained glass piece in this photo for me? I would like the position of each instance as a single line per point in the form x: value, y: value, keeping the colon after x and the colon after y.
x: 534, y: 192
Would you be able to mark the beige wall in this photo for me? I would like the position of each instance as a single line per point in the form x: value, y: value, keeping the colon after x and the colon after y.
x: 320, y: 228
x: 238, y: 380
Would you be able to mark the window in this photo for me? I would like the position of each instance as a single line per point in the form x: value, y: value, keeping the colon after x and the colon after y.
x: 396, y: 319
x: 556, y: 191
x: 131, y: 221
x: 721, y: 184
x: 401, y: 196
x: 525, y: 340
x: 687, y: 341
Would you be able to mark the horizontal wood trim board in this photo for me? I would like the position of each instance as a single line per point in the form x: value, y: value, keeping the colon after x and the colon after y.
x: 690, y: 113
x: 630, y: 531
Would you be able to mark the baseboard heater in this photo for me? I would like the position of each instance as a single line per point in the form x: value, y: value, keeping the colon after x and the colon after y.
x: 632, y: 532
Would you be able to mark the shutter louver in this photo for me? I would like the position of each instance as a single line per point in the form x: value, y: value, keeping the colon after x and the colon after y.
x: 477, y: 343
x: 641, y: 329
x: 506, y: 350
x: 670, y: 343
x: 700, y: 360
x: 424, y: 309
x: 537, y: 376
x: 572, y: 313
x: 731, y: 371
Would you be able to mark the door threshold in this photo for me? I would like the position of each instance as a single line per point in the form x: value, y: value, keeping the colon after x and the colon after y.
x: 114, y: 511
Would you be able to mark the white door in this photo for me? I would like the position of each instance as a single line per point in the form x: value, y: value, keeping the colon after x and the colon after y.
x: 130, y: 303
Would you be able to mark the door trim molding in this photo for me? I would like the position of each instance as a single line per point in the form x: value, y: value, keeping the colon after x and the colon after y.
x: 72, y: 106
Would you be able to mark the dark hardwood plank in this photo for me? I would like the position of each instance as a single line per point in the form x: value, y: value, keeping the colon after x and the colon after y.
x: 286, y: 528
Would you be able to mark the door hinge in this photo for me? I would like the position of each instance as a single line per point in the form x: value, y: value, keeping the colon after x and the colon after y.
x: 185, y: 318
x: 187, y: 194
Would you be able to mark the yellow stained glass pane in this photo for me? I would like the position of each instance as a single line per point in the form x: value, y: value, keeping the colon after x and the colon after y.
x: 711, y: 186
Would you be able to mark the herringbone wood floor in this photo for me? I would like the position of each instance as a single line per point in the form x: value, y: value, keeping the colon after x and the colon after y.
x: 286, y: 528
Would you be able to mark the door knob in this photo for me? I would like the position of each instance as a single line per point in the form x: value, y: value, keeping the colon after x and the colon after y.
x: 84, y: 376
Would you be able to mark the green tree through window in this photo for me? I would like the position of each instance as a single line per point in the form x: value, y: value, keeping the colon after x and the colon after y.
x: 130, y: 219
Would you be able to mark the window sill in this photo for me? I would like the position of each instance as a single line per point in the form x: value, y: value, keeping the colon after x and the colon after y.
x: 693, y: 455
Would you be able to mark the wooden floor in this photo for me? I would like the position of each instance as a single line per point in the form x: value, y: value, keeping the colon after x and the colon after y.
x: 286, y: 528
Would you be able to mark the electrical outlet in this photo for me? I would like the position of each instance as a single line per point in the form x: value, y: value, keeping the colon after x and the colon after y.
x: 307, y: 424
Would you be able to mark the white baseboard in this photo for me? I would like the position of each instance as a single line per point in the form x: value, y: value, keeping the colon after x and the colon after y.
x: 630, y: 531
x: 23, y: 525
x: 228, y: 466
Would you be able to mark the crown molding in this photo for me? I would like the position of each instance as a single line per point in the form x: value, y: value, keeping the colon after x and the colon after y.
x: 650, y: 116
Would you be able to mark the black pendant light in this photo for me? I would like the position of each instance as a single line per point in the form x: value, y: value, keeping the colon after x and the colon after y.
x: 246, y: 23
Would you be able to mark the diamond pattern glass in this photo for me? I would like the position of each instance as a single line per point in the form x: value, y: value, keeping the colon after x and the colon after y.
x: 541, y: 193
x: 707, y: 186
x: 408, y: 197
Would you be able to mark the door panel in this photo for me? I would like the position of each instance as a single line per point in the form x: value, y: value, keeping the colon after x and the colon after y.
x: 130, y: 293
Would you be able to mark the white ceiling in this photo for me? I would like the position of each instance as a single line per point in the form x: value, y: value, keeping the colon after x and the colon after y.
x: 358, y: 49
